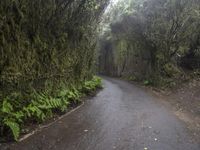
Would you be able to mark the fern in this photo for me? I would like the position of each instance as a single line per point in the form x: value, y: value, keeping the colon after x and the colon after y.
x: 41, y: 106
x: 92, y: 84
x: 7, y: 107
x: 14, y: 128
x: 35, y: 112
x: 18, y: 116
x: 11, y: 118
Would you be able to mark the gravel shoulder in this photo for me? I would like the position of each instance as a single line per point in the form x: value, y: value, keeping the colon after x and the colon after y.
x: 185, y: 101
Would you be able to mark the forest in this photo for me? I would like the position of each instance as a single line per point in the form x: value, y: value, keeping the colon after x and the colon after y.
x: 155, y: 41
x: 52, y: 50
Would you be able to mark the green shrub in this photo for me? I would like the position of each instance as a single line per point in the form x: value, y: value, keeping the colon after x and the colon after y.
x: 42, y: 105
x: 147, y: 82
x: 171, y: 70
x: 92, y: 84
x: 10, y: 119
x: 132, y: 78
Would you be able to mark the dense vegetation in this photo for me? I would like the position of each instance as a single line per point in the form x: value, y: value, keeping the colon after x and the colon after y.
x: 154, y: 41
x: 47, y: 53
x: 41, y: 106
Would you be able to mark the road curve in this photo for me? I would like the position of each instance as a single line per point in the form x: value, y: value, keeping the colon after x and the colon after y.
x: 122, y: 117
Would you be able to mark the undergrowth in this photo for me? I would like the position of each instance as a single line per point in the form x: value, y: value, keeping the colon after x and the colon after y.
x: 40, y: 106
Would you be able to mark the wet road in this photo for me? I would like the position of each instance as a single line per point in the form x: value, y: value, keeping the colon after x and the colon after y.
x: 122, y: 117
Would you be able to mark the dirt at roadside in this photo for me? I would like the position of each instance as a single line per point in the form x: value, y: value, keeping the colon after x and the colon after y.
x: 185, y: 100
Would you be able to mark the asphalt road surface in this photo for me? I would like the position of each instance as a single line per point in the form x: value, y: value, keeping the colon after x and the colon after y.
x: 123, y: 117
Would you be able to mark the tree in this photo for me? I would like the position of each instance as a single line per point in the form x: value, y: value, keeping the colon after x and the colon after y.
x: 164, y: 31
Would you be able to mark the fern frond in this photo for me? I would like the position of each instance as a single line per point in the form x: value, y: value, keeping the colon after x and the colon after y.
x: 7, y: 107
x: 14, y: 127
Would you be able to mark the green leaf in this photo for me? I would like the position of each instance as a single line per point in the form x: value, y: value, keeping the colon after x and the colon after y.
x: 7, y: 107
x: 14, y: 128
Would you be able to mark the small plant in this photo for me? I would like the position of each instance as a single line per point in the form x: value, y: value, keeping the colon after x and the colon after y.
x: 147, y: 82
x: 132, y: 78
x: 10, y: 119
x: 171, y: 70
x: 93, y: 84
